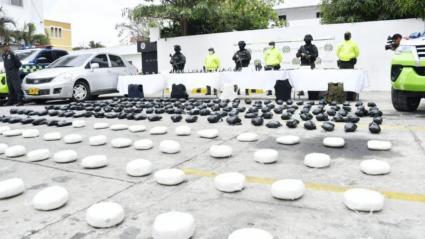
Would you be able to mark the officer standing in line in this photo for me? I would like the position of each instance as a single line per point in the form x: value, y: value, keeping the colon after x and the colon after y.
x: 242, y: 58
x: 212, y: 62
x: 14, y: 82
x: 178, y: 60
x: 308, y: 53
x: 272, y: 57
x: 347, y: 53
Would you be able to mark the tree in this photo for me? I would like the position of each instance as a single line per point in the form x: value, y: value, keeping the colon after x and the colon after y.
x: 28, y: 36
x: 93, y: 44
x: 135, y: 29
x: 5, y: 24
x: 342, y: 11
x: 189, y: 17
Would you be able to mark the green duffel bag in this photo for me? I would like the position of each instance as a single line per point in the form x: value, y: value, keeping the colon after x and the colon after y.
x: 335, y: 93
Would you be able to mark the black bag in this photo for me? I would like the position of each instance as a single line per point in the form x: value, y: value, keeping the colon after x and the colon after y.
x: 328, y: 126
x: 374, y: 128
x: 179, y: 92
x: 283, y: 90
x: 135, y: 91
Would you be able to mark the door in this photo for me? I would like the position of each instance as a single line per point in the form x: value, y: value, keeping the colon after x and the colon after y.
x: 118, y: 68
x: 100, y: 79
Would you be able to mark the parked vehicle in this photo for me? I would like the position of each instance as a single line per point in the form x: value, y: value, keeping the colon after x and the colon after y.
x: 408, y: 74
x: 78, y: 76
x: 32, y: 60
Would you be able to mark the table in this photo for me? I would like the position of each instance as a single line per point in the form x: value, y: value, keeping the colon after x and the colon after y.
x: 153, y: 85
x: 264, y: 80
x: 318, y: 79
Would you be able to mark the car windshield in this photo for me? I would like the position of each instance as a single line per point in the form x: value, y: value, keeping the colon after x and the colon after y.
x: 70, y: 61
x: 26, y: 54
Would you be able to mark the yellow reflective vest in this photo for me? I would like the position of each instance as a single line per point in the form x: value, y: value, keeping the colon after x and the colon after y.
x: 212, y: 62
x: 348, y: 50
x: 273, y: 57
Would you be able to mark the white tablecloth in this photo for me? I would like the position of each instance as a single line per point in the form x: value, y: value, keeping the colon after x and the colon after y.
x: 193, y: 80
x: 318, y: 79
x: 153, y: 85
x: 264, y: 80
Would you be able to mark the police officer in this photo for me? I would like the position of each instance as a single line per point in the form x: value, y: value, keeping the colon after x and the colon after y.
x: 308, y: 53
x: 178, y: 60
x: 14, y: 82
x: 347, y: 53
x: 272, y: 57
x: 211, y: 62
x: 242, y: 57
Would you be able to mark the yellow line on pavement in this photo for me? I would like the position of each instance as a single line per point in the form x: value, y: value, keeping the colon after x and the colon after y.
x: 313, y: 186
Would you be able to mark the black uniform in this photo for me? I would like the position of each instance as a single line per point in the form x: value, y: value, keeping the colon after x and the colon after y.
x: 178, y: 60
x: 310, y: 55
x: 242, y: 58
x: 14, y: 82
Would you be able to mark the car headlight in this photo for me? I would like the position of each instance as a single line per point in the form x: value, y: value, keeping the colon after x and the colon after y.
x: 63, y: 77
x: 405, y: 49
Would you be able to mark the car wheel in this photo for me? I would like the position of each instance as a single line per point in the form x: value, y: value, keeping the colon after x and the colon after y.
x: 81, y: 91
x: 402, y: 102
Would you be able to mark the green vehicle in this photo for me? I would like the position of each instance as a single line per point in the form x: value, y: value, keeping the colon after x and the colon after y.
x: 408, y: 75
x: 33, y: 59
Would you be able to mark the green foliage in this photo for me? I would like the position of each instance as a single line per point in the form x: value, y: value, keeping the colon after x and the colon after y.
x: 342, y: 11
x: 5, y: 24
x: 135, y: 29
x: 93, y: 44
x: 28, y: 36
x: 189, y: 17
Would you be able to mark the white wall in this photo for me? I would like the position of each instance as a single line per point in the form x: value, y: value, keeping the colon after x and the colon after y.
x: 371, y: 37
x: 32, y: 11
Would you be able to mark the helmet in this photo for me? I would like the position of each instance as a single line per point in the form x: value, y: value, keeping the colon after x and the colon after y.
x: 241, y: 44
x: 211, y: 49
x: 347, y: 36
x: 177, y: 48
x: 272, y: 43
x: 308, y: 38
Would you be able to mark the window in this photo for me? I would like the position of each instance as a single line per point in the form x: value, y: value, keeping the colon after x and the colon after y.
x: 55, y: 32
x: 59, y: 54
x: 46, y: 54
x: 19, y: 3
x: 71, y: 61
x: 102, y: 60
x: 282, y: 17
x: 318, y: 14
x: 116, y: 61
x: 60, y: 33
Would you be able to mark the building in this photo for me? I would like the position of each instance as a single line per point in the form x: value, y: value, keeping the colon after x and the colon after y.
x: 24, y: 11
x: 60, y: 34
x: 299, y: 12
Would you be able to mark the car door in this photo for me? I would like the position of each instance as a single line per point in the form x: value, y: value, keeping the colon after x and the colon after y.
x: 100, y: 79
x: 118, y: 68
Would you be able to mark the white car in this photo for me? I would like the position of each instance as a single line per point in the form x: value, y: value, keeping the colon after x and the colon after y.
x: 79, y: 77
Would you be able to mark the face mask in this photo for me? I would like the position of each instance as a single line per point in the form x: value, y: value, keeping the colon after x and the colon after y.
x: 211, y: 52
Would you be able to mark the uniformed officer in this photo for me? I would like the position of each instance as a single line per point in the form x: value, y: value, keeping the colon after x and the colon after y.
x: 347, y: 53
x: 178, y: 60
x: 242, y: 58
x: 11, y: 65
x: 212, y: 62
x: 272, y: 57
x: 308, y: 52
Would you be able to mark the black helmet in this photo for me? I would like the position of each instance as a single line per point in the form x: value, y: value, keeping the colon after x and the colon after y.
x: 272, y: 43
x: 177, y: 48
x: 347, y: 36
x: 308, y: 38
x: 211, y: 49
x: 241, y: 44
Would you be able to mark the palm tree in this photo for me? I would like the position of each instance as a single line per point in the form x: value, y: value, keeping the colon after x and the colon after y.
x: 27, y: 36
x: 5, y: 32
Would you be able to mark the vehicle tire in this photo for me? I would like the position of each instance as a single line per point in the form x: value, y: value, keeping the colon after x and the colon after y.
x: 80, y: 91
x: 402, y: 102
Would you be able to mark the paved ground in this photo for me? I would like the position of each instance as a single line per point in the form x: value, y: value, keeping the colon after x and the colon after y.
x: 319, y: 214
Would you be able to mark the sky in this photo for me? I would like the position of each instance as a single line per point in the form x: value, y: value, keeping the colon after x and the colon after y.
x: 90, y: 19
